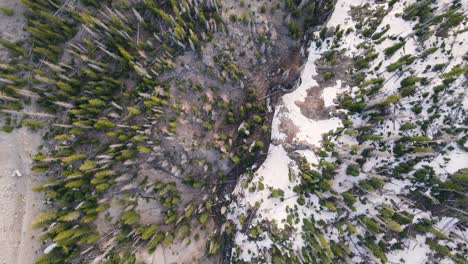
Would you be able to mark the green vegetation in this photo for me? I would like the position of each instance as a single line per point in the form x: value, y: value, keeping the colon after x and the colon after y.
x: 114, y: 111
x: 121, y: 96
x: 294, y: 30
x: 327, y: 75
x: 353, y: 170
x: 392, y: 49
x: 461, y: 176
x: 7, y: 11
x: 405, y: 60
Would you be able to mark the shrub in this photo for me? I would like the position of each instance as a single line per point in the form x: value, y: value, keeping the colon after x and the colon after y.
x: 88, y: 165
x: 452, y: 19
x: 420, y: 138
x: 323, y: 32
x: 376, y: 183
x: 104, y: 124
x: 461, y: 176
x: 72, y: 216
x: 13, y: 47
x: 276, y: 193
x: 130, y: 217
x: 351, y: 228
x: 259, y: 144
x: 421, y: 9
x: 377, y: 251
x: 372, y: 225
x: 353, y: 170
x: 392, y: 49
x: 168, y: 238
x: 417, y: 109
x: 235, y: 159
x: 411, y: 80
x: 407, y: 90
x: 361, y: 63
x: 7, y: 11
x: 327, y: 75
x: 257, y: 118
x: 295, y: 30
x: 73, y: 158
x: 349, y: 104
x: 44, y: 218
x: 443, y: 250
x: 405, y: 60
x: 204, y: 217
x: 155, y: 242
x: 183, y: 231
x: 390, y: 99
x: 408, y: 126
x: 245, y: 18
x: 394, y: 226
x: 33, y: 124
x: 348, y: 198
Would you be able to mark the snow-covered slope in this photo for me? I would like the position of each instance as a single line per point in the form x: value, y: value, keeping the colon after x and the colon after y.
x: 367, y: 158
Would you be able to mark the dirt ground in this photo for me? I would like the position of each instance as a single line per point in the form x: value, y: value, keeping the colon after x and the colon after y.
x: 18, y: 203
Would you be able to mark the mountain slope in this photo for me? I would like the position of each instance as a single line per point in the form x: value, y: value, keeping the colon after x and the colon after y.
x: 388, y: 182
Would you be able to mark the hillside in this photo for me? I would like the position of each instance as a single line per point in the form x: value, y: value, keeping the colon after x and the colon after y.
x: 369, y: 155
x: 218, y: 131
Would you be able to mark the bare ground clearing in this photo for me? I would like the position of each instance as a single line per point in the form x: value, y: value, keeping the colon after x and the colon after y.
x: 18, y: 203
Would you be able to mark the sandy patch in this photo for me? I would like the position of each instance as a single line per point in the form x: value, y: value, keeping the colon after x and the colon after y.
x: 18, y: 203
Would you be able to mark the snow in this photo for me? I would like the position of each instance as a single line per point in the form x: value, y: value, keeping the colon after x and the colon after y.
x: 398, y: 26
x: 276, y: 134
x: 459, y: 44
x: 447, y: 224
x: 397, y: 186
x: 310, y: 130
x: 420, y: 215
x: 251, y: 246
x: 465, y: 102
x: 49, y: 248
x: 343, y: 182
x: 458, y: 160
x: 275, y: 171
x: 340, y: 15
x: 449, y: 163
x: 329, y: 94
x: 309, y: 155
x: 415, y: 252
